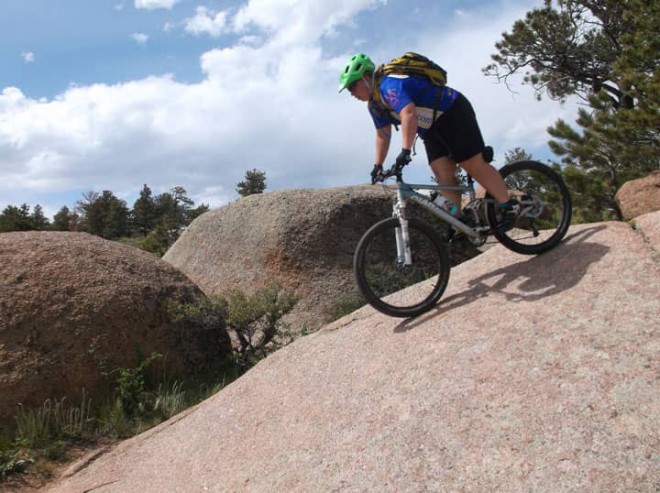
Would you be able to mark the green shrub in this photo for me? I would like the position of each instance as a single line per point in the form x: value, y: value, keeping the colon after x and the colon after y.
x: 132, y: 388
x: 255, y: 321
x: 346, y: 303
x: 252, y: 321
x: 203, y: 314
x: 13, y: 461
x: 159, y: 240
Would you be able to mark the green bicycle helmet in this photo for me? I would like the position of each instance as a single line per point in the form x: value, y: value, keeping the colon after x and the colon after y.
x: 355, y: 68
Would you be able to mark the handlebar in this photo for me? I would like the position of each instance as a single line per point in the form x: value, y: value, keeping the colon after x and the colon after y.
x: 395, y: 170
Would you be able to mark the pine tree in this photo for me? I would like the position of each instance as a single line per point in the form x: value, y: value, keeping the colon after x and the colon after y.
x: 564, y: 51
x: 173, y: 211
x: 607, y: 53
x: 144, y: 212
x: 255, y: 182
x: 39, y: 221
x: 64, y: 220
x: 515, y: 155
x: 104, y: 215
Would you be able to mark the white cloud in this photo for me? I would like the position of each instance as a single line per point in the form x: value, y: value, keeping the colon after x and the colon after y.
x: 154, y: 4
x: 299, y: 21
x: 140, y: 38
x: 28, y: 57
x: 208, y: 22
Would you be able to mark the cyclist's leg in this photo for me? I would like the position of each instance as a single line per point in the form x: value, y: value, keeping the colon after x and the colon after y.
x: 487, y: 176
x: 444, y: 169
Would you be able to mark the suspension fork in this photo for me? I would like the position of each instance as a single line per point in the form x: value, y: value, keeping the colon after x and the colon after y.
x: 404, y: 254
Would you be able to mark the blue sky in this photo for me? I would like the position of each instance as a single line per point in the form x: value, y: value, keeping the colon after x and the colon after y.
x: 110, y: 95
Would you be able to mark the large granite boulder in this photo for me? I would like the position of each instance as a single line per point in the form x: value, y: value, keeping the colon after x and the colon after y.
x: 641, y: 196
x: 75, y: 307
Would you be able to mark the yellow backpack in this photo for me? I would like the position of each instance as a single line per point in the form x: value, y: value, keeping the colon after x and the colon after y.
x: 412, y: 64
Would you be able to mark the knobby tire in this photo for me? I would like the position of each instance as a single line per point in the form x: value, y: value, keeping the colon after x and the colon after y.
x: 536, y: 234
x: 395, y: 290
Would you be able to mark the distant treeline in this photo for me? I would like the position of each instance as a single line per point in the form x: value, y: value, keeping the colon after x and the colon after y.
x: 155, y: 222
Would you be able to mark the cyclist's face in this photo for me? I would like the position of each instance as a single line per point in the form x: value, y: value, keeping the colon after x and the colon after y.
x: 359, y: 90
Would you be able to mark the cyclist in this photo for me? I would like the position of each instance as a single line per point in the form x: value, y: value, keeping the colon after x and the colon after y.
x: 441, y: 116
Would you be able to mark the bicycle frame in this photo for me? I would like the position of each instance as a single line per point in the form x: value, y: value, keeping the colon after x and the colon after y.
x: 408, y: 192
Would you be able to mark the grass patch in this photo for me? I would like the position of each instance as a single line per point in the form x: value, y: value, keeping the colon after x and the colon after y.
x: 45, y: 437
x: 55, y: 420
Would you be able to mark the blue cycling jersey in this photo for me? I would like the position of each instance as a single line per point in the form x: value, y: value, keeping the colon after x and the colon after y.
x: 397, y: 91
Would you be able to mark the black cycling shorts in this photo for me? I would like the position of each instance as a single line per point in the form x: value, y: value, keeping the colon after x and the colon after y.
x: 455, y: 134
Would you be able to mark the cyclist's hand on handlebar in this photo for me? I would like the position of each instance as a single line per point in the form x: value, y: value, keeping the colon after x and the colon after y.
x: 377, y: 174
x: 403, y: 158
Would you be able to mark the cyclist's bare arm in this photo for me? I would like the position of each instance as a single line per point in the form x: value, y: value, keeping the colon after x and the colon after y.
x: 383, y: 138
x: 408, y: 125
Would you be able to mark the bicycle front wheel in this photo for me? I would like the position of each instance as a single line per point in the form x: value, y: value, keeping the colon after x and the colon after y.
x: 390, y: 286
x: 545, y: 208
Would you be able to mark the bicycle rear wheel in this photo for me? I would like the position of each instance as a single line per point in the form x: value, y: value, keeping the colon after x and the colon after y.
x: 545, y: 208
x: 395, y: 289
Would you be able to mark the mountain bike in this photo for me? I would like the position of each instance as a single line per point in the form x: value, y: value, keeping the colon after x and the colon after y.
x: 401, y: 264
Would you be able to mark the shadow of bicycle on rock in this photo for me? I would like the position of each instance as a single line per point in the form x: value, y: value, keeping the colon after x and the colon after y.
x: 529, y: 280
